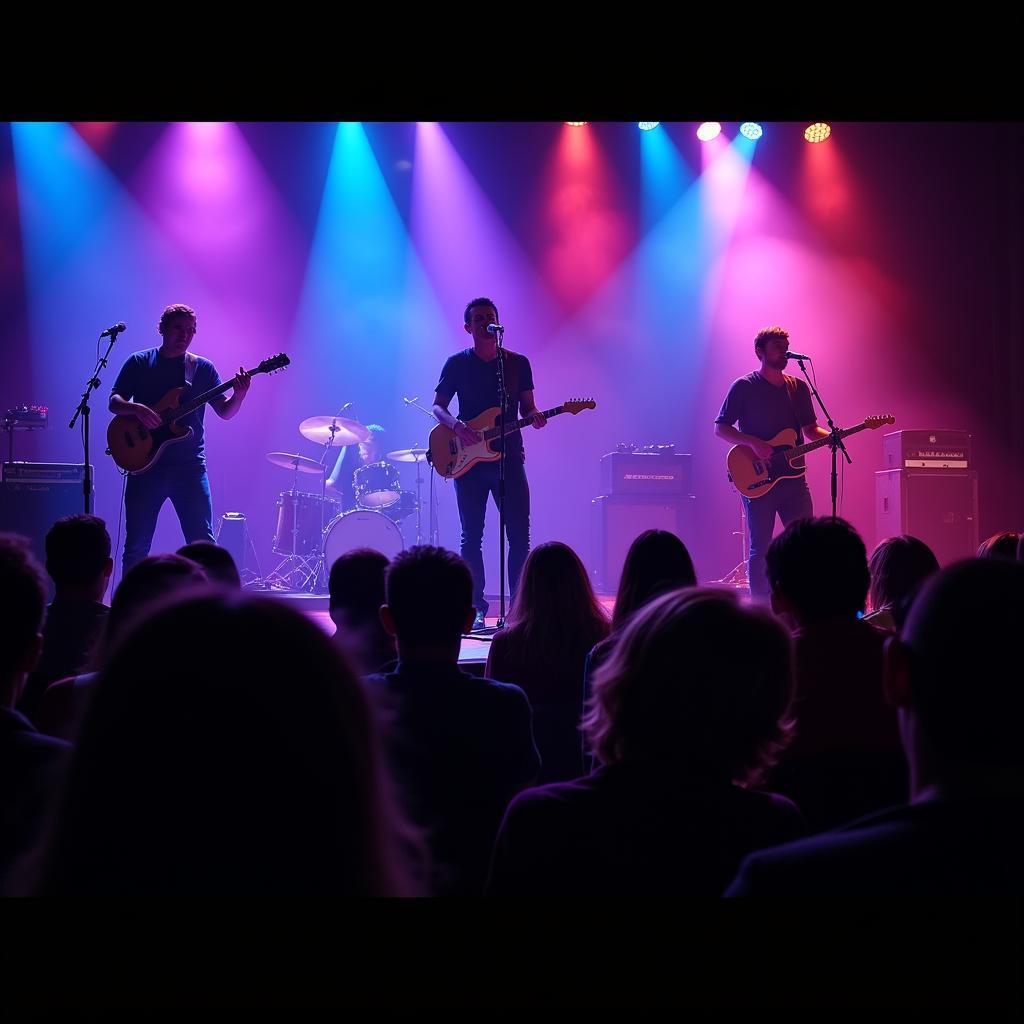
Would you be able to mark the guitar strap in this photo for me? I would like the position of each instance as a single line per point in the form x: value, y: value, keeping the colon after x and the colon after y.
x: 791, y: 386
x: 191, y: 362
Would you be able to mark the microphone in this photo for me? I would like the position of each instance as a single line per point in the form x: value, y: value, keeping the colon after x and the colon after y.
x: 113, y: 332
x: 495, y: 329
x: 796, y: 355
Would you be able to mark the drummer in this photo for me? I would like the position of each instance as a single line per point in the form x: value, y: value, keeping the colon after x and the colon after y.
x: 353, y: 457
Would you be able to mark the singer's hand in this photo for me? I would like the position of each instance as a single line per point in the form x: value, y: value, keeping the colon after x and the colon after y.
x: 538, y: 419
x: 466, y: 434
x: 146, y: 416
x: 762, y: 449
x: 241, y: 381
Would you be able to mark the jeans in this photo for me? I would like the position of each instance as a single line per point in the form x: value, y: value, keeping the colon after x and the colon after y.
x: 471, y: 491
x: 188, y: 487
x: 791, y: 500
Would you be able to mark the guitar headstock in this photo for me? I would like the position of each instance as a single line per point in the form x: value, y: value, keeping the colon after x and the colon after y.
x: 575, y: 405
x: 278, y: 362
x: 874, y: 422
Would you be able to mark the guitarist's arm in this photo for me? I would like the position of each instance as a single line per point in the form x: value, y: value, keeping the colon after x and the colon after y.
x: 528, y: 407
x: 813, y: 431
x: 467, y: 435
x: 122, y: 407
x: 729, y: 433
x: 226, y: 408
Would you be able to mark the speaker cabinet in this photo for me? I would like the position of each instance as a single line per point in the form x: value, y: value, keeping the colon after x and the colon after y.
x: 940, y: 508
x: 33, y: 496
x: 618, y: 519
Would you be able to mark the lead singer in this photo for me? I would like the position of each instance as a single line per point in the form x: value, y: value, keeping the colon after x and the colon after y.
x: 472, y: 375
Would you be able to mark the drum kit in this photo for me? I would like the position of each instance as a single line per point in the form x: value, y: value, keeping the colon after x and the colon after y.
x: 313, y: 529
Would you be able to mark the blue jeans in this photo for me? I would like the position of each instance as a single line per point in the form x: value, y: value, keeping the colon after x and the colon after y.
x: 471, y: 491
x: 188, y: 487
x: 790, y: 500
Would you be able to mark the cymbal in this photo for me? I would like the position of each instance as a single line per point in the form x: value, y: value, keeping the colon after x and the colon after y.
x: 407, y: 455
x: 318, y: 428
x: 288, y: 461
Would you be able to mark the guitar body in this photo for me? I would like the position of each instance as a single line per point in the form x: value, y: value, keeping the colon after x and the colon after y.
x: 451, y: 458
x: 754, y: 477
x: 137, y: 448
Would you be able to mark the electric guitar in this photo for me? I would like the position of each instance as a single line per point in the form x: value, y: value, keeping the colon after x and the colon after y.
x: 136, y: 448
x: 754, y: 477
x: 451, y: 458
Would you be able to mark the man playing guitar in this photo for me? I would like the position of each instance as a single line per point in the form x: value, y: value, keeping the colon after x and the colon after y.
x: 180, y: 472
x: 765, y: 402
x: 471, y: 374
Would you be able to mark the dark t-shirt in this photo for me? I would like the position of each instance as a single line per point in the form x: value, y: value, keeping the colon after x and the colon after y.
x: 146, y: 378
x: 764, y: 409
x: 476, y: 383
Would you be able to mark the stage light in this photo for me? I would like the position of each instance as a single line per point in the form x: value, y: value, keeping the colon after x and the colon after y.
x: 646, y: 126
x: 575, y: 124
x: 709, y: 130
x: 751, y: 130
x: 817, y: 132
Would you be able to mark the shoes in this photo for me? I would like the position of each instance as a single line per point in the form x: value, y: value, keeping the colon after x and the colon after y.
x: 479, y: 622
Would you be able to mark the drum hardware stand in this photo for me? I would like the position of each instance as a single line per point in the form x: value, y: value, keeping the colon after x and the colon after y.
x: 737, y: 576
x: 432, y: 530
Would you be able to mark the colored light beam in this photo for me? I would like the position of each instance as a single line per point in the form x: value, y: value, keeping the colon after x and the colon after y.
x: 664, y: 176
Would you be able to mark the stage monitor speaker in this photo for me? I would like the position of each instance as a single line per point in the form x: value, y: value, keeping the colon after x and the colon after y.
x: 233, y: 536
x: 938, y: 507
x: 617, y: 520
x: 33, y: 496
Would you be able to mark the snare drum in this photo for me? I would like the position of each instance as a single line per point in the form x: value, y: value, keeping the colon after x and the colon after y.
x: 403, y: 508
x: 297, y: 507
x: 377, y: 485
x: 361, y: 529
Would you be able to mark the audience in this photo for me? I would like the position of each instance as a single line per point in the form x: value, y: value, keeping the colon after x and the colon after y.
x: 215, y: 561
x: 79, y: 563
x: 1000, y: 545
x: 845, y: 758
x: 31, y: 765
x: 687, y: 713
x: 554, y: 621
x: 461, y: 746
x: 236, y: 775
x: 898, y: 567
x: 356, y: 587
x: 954, y: 676
x: 144, y: 584
x: 657, y: 562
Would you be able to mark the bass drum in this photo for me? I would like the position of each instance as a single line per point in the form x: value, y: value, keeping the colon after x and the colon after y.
x: 361, y: 529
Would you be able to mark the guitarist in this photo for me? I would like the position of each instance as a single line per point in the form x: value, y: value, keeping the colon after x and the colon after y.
x: 765, y: 402
x: 472, y: 375
x: 180, y: 473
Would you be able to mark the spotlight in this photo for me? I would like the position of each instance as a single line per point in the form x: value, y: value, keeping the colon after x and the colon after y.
x: 709, y: 130
x: 751, y: 130
x: 646, y: 126
x: 817, y: 132
x: 575, y: 124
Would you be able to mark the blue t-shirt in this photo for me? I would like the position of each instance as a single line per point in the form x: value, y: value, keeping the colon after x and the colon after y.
x: 763, y: 409
x: 146, y: 378
x: 476, y: 383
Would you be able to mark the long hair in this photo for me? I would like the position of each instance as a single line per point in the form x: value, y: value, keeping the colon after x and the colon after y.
x: 697, y: 684
x: 898, y: 565
x: 555, y: 612
x: 212, y: 762
x: 657, y: 561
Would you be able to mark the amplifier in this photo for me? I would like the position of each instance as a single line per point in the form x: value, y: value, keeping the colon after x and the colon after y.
x: 642, y: 473
x: 927, y: 449
x: 43, y: 472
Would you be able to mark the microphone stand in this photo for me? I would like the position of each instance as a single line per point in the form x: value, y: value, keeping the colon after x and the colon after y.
x: 835, y: 442
x: 83, y: 411
x: 500, y: 335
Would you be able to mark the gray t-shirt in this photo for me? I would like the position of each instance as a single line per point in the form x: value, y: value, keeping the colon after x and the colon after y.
x: 763, y: 409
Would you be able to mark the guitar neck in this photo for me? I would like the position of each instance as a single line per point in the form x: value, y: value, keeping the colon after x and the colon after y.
x: 811, y: 445
x: 511, y: 428
x: 170, y: 415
